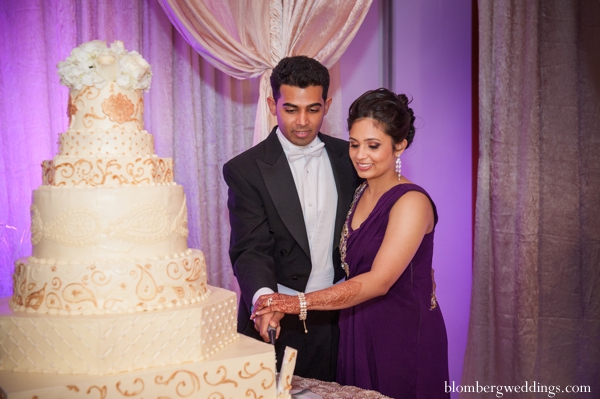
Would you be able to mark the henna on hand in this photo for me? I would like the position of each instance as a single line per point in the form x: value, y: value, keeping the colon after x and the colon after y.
x: 336, y: 297
x: 276, y: 303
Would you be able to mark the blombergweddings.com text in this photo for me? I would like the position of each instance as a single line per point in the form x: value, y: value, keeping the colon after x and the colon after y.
x: 500, y: 390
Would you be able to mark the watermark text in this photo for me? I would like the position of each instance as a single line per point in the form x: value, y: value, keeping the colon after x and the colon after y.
x: 527, y: 387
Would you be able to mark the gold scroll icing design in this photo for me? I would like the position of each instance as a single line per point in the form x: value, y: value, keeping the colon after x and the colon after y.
x: 82, y: 167
x: 53, y: 301
x: 164, y: 172
x: 187, y: 382
x: 224, y: 380
x: 19, y: 284
x: 87, y: 122
x: 146, y: 171
x: 88, y: 93
x: 196, y: 270
x: 99, y: 172
x: 48, y: 173
x: 35, y: 299
x: 180, y: 292
x: 287, y: 383
x: 137, y: 172
x: 146, y: 288
x: 101, y: 391
x: 71, y: 110
x: 125, y: 392
x: 77, y: 289
x: 267, y: 381
x: 75, y: 293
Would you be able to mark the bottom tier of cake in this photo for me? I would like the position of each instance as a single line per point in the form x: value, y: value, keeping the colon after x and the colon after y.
x: 243, y: 369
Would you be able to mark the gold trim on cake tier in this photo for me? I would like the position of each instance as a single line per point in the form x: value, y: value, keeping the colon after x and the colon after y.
x: 97, y: 287
x: 111, y: 107
x: 107, y: 172
x: 109, y: 344
x: 76, y: 224
x: 112, y: 142
x: 243, y: 369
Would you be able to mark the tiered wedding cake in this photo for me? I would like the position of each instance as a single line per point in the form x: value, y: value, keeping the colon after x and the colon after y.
x: 112, y: 303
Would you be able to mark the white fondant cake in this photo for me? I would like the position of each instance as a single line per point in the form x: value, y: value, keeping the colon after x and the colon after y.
x: 112, y: 301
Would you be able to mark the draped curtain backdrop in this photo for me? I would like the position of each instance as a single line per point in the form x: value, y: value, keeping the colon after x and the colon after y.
x: 247, y: 38
x: 535, y: 310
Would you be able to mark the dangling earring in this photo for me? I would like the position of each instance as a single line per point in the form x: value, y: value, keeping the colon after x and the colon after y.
x: 398, y: 166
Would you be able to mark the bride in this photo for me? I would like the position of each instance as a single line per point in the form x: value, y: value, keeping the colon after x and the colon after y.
x: 392, y: 333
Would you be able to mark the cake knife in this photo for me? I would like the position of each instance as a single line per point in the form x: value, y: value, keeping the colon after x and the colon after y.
x: 272, y: 331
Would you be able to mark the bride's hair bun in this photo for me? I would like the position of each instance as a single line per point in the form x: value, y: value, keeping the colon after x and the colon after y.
x: 411, y: 130
x: 389, y: 110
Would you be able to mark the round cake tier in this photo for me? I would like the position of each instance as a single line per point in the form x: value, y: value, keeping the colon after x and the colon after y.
x: 111, y: 107
x: 107, y: 171
x: 79, y: 224
x: 96, y: 287
x: 82, y: 143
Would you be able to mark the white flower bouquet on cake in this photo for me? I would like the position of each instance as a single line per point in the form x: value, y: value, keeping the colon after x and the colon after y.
x: 95, y: 64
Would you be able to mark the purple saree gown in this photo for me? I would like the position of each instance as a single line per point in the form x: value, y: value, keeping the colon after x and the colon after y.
x: 395, y: 344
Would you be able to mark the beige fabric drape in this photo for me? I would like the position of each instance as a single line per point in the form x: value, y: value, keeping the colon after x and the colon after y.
x: 247, y: 38
x: 535, y: 310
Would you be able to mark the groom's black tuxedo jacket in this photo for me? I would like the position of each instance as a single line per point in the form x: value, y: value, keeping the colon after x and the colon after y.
x: 269, y: 244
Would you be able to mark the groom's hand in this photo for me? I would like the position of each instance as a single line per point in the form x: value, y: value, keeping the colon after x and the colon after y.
x: 262, y: 323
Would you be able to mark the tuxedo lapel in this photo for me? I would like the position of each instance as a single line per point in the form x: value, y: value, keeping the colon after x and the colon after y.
x: 279, y: 181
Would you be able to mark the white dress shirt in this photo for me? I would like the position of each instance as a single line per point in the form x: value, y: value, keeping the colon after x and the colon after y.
x: 316, y: 188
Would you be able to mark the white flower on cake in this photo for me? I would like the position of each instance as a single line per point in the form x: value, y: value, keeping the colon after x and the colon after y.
x: 135, y: 71
x: 95, y: 64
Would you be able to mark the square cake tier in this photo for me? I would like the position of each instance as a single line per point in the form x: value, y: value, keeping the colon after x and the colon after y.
x: 244, y: 369
x: 108, y: 344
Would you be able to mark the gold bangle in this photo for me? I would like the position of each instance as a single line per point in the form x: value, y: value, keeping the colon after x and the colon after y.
x: 302, y: 314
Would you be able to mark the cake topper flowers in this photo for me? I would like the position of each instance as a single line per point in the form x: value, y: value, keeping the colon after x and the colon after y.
x: 95, y: 64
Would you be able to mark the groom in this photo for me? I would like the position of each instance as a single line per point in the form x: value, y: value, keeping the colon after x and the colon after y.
x: 288, y: 199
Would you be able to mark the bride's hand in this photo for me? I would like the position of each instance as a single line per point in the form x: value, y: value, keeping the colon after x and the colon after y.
x: 276, y: 303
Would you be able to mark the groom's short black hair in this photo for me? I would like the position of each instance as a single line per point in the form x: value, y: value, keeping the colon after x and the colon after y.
x: 299, y: 71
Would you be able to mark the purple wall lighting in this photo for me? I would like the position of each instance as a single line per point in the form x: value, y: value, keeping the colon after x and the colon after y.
x: 432, y: 64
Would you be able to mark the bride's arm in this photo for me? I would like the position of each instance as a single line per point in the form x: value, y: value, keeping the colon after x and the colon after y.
x: 411, y: 218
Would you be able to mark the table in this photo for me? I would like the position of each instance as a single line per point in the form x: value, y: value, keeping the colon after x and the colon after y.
x: 331, y: 390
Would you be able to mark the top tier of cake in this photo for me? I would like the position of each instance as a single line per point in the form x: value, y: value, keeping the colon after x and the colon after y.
x: 106, y: 85
x: 105, y: 144
x: 108, y: 108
